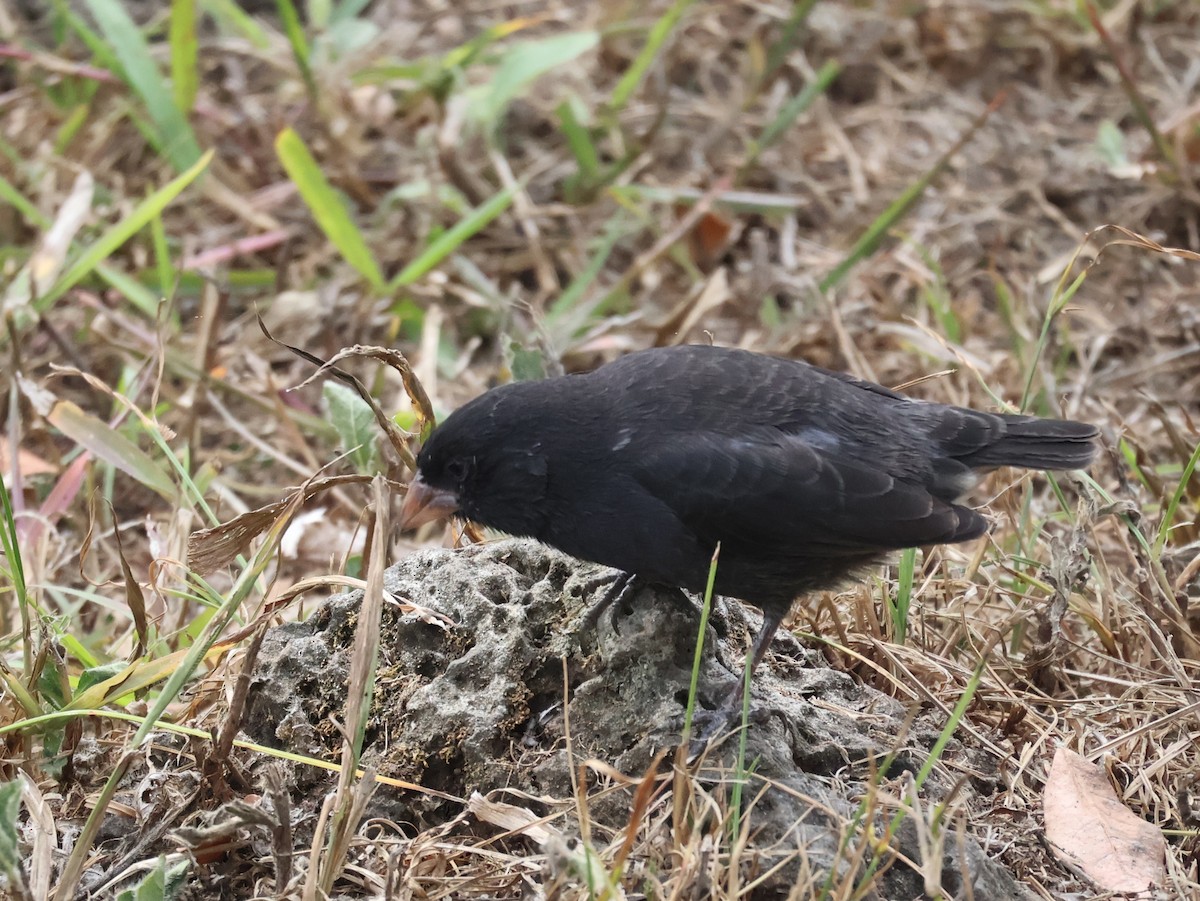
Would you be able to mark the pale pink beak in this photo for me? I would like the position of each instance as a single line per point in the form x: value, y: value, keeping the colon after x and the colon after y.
x: 423, y: 504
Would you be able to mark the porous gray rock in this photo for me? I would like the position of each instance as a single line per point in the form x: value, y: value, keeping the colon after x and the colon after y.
x: 472, y: 680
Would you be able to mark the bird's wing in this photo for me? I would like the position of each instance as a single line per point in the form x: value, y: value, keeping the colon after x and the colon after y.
x: 770, y: 489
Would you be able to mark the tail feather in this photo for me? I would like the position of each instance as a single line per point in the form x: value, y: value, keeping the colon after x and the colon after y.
x: 1032, y: 443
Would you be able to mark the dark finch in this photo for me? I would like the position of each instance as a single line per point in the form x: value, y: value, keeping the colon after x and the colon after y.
x: 804, y: 476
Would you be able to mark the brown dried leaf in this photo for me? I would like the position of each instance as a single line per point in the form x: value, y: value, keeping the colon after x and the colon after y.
x: 210, y: 549
x: 1090, y: 829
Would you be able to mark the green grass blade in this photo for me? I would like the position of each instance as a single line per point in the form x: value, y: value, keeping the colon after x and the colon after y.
x: 877, y: 230
x: 13, y: 569
x: 787, y: 40
x: 1168, y: 516
x: 740, y: 772
x: 294, y: 29
x: 793, y: 108
x: 866, y: 880
x: 14, y: 198
x: 233, y: 16
x: 326, y: 206
x: 1062, y: 296
x: 451, y: 239
x: 904, y: 593
x: 132, y: 290
x: 140, y: 71
x: 229, y: 605
x: 698, y: 657
x: 162, y: 257
x: 633, y: 76
x: 98, y: 47
x: 99, y: 251
x: 579, y: 139
x: 184, y: 54
x: 616, y: 229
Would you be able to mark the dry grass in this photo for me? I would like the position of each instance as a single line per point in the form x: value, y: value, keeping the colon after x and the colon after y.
x: 694, y: 202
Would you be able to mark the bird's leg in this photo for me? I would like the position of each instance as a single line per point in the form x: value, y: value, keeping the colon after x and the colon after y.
x: 731, y: 706
x: 762, y: 642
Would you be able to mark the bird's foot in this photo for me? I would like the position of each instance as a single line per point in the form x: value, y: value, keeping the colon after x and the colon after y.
x: 623, y: 584
x: 623, y: 587
x: 715, y: 726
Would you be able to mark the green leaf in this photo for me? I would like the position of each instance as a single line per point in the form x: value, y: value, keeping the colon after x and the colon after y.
x: 520, y: 66
x: 28, y: 210
x: 319, y: 13
x: 614, y: 230
x: 110, y: 446
x: 350, y: 35
x: 348, y: 9
x: 326, y: 206
x: 163, y: 883
x: 10, y: 808
x: 140, y: 71
x: 355, y: 425
x: 526, y: 363
x: 1110, y: 145
x: 97, y: 674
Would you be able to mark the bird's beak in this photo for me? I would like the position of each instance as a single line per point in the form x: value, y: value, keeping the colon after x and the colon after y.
x: 423, y: 504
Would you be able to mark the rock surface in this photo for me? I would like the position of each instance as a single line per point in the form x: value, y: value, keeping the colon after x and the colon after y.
x: 475, y: 703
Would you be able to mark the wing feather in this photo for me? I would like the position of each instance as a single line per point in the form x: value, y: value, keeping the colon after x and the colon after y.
x: 774, y: 490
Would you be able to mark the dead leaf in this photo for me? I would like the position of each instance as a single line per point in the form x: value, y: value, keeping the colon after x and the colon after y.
x: 1090, y: 829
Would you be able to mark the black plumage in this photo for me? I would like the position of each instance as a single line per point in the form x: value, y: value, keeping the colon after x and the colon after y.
x: 803, y: 475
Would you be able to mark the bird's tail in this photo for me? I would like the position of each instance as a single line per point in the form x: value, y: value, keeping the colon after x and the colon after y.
x: 1032, y: 443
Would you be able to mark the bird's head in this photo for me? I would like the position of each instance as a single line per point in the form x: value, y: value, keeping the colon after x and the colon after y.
x: 480, y: 465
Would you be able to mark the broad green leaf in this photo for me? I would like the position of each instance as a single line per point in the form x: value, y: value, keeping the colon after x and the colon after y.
x: 130, y: 678
x: 1110, y: 145
x: 348, y: 9
x: 10, y: 808
x: 521, y: 65
x: 163, y: 883
x: 97, y: 674
x: 526, y: 363
x: 355, y: 424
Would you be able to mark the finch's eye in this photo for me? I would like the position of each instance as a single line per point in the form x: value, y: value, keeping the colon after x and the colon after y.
x: 457, y: 469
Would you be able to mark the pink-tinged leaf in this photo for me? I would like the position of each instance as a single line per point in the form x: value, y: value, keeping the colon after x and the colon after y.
x: 1089, y: 828
x: 57, y: 502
